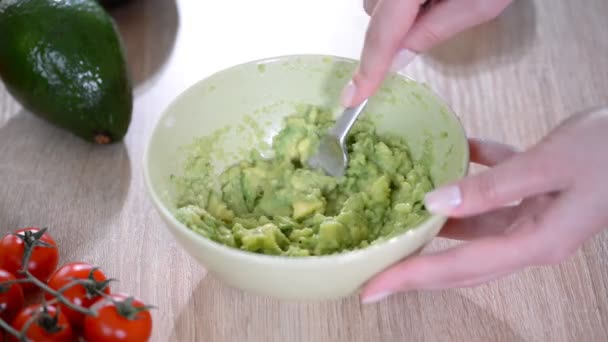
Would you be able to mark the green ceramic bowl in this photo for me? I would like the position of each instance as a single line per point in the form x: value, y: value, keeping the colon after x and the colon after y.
x: 266, y: 91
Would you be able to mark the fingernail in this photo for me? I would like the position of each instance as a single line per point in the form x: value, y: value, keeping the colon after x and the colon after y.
x: 376, y: 297
x: 402, y: 59
x: 443, y: 200
x: 348, y: 94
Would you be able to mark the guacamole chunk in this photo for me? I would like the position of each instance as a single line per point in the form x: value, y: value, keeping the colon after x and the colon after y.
x: 279, y: 206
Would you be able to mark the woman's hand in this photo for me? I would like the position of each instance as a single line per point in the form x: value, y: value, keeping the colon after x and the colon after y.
x: 562, y: 183
x: 398, y: 30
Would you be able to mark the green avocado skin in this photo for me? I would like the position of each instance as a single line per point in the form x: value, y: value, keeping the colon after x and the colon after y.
x: 64, y: 61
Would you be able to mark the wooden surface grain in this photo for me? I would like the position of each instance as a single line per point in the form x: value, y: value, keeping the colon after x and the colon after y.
x: 512, y: 80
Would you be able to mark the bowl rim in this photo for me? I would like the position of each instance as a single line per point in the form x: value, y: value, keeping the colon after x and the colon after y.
x: 312, y: 260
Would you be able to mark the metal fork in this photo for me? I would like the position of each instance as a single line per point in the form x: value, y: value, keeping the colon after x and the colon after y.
x: 331, y: 155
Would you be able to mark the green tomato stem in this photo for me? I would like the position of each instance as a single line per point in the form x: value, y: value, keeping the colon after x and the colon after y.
x: 6, y: 327
x: 27, y: 325
x: 59, y: 297
x: 8, y: 283
x: 72, y: 284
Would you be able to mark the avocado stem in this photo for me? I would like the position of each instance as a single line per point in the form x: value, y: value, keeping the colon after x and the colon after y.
x: 102, y: 139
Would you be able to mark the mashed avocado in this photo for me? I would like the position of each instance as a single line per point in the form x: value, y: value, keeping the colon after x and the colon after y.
x: 279, y: 206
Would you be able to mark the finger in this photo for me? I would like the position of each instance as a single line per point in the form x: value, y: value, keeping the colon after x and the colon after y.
x: 539, y: 238
x: 369, y: 5
x: 489, y: 153
x: 526, y: 174
x: 495, y: 222
x: 448, y: 18
x: 526, y: 243
x: 574, y: 218
x: 390, y: 21
x: 465, y: 265
x: 481, y: 225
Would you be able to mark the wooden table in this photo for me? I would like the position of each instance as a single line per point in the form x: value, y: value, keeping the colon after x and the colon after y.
x: 512, y: 80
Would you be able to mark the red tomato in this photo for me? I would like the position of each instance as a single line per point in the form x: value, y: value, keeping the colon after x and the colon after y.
x: 42, y: 262
x: 80, y: 295
x: 51, y: 326
x: 121, y: 319
x: 11, y: 297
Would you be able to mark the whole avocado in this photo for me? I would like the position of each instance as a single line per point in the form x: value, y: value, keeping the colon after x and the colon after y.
x: 64, y: 61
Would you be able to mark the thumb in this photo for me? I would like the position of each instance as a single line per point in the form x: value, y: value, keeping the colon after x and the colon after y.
x: 526, y: 174
x: 448, y: 18
x: 389, y: 23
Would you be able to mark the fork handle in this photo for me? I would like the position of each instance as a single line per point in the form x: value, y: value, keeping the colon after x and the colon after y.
x: 346, y: 121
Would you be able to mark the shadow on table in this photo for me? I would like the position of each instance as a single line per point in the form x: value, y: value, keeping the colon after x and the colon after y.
x: 52, y: 178
x: 149, y: 30
x: 214, y: 313
x: 502, y: 41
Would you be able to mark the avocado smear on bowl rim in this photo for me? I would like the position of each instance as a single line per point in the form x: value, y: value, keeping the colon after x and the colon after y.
x: 279, y: 206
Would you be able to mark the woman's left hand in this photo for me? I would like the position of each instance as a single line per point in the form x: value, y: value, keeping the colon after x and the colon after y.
x: 563, y: 184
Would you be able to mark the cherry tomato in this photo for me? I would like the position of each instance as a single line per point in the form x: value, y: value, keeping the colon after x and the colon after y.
x: 50, y: 326
x: 11, y: 297
x: 42, y: 262
x: 80, y: 295
x: 122, y: 319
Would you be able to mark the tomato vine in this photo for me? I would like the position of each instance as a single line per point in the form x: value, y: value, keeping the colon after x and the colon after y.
x: 73, y: 294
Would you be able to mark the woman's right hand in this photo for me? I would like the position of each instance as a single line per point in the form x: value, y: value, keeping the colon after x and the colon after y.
x: 400, y: 29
